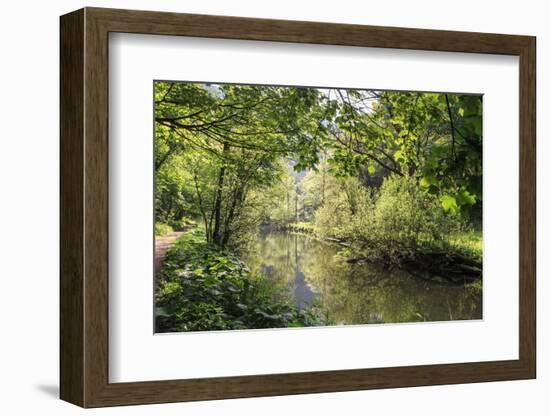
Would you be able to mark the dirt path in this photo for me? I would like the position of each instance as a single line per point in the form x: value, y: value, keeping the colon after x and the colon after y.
x: 162, y: 244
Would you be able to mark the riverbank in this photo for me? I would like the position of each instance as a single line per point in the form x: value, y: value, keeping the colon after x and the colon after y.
x: 204, y: 288
x: 456, y: 258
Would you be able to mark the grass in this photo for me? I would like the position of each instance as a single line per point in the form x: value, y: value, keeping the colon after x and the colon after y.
x: 468, y: 243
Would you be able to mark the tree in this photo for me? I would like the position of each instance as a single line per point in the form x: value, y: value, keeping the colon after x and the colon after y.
x: 218, y: 145
x: 433, y: 137
x: 240, y: 132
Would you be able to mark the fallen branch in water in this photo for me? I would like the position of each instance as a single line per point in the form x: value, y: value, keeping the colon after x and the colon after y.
x: 337, y: 241
x: 452, y: 267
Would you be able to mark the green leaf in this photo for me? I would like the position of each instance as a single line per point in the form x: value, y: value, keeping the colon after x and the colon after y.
x: 433, y: 190
x: 371, y: 169
x: 449, y: 203
x: 428, y: 180
x: 466, y: 198
x: 265, y: 314
x: 398, y: 156
x: 210, y: 280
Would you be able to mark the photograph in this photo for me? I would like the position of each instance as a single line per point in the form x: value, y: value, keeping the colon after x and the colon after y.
x: 300, y: 202
x: 302, y: 206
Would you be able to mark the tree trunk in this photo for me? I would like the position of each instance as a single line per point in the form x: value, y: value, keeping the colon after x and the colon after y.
x: 202, y: 208
x: 216, y: 236
x: 238, y: 199
x: 296, y: 205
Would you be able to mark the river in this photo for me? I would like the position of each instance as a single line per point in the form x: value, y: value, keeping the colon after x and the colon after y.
x: 316, y: 272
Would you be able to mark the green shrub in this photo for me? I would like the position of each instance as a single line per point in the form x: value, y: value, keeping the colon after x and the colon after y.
x: 183, y: 223
x: 347, y: 215
x: 162, y: 229
x: 394, y: 223
x: 203, y: 288
x: 406, y: 214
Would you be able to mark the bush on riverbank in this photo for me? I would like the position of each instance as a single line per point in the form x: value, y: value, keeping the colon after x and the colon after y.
x: 203, y: 288
x: 399, y: 222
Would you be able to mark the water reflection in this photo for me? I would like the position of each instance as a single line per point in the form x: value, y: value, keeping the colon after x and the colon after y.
x: 316, y: 272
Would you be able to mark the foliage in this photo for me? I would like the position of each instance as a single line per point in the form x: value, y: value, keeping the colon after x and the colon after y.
x: 279, y: 202
x: 162, y: 229
x: 405, y: 214
x: 391, y: 175
x: 394, y: 223
x: 348, y: 211
x: 204, y: 288
x: 235, y: 156
x: 433, y: 137
x: 173, y: 198
x: 230, y: 138
x: 183, y: 223
x: 467, y: 242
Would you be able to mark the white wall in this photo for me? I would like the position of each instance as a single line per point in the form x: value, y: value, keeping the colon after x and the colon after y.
x: 29, y: 219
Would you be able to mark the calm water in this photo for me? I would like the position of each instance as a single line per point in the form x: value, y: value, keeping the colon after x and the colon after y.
x: 317, y: 273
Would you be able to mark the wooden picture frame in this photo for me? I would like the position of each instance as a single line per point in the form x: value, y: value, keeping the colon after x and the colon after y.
x: 84, y: 207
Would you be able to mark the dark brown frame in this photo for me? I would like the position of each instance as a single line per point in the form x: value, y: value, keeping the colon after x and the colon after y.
x: 84, y: 208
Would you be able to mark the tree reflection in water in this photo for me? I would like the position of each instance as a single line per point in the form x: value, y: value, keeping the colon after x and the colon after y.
x: 317, y: 272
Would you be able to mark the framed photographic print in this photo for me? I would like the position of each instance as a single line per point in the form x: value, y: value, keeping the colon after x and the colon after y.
x: 256, y: 207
